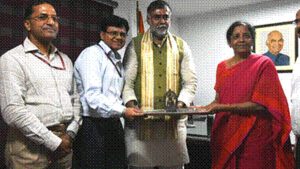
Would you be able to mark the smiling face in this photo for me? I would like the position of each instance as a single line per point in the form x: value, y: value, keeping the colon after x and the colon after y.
x: 241, y: 40
x: 114, y: 37
x: 159, y: 21
x: 42, y: 25
x: 275, y: 42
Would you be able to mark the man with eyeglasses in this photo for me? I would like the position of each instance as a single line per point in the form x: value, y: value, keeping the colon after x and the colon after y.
x: 295, y: 97
x: 155, y: 62
x: 38, y: 95
x: 100, y: 77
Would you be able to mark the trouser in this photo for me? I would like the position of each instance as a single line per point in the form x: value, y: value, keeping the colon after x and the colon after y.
x: 22, y: 153
x: 100, y: 144
x: 160, y: 167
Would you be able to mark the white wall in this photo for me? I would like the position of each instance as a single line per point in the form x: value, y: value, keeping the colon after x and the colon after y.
x: 206, y: 34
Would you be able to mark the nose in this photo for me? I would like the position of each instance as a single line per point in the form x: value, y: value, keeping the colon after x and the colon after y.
x: 242, y: 39
x: 50, y: 20
x: 162, y: 20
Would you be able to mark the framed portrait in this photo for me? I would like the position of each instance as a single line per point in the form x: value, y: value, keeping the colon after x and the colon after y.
x: 277, y: 41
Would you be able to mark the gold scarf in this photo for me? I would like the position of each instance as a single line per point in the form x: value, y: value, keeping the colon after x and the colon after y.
x: 147, y: 81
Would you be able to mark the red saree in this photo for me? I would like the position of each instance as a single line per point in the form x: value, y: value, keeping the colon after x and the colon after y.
x: 256, y: 140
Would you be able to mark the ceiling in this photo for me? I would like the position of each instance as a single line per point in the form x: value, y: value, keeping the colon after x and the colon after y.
x: 182, y: 8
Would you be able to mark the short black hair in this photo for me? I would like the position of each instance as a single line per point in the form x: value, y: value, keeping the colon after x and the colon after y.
x: 115, y: 21
x: 236, y: 24
x: 29, y: 9
x: 157, y: 4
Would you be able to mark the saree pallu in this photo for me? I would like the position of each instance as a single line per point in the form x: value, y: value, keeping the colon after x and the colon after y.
x: 238, y: 139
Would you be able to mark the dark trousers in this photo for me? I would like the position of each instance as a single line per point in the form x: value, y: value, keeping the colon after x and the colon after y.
x: 298, y: 153
x: 100, y: 144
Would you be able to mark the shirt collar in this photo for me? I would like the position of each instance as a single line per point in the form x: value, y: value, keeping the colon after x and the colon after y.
x: 109, y: 52
x: 30, y: 47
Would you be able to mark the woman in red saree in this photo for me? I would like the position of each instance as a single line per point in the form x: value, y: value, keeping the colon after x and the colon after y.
x: 252, y: 123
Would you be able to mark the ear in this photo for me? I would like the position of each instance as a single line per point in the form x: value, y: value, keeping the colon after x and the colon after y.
x: 148, y: 19
x: 101, y: 35
x: 27, y: 25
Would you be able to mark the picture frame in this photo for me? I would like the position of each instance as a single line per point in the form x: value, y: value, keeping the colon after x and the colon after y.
x: 290, y: 44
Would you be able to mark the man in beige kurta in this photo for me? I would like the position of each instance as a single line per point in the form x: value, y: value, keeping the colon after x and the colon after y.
x: 155, y: 62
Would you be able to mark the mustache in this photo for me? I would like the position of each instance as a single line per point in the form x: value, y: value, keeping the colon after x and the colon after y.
x: 161, y: 27
x: 49, y: 27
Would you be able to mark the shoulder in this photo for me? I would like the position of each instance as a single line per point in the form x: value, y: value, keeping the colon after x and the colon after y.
x: 138, y: 38
x: 179, y: 40
x: 90, y: 55
x: 284, y: 55
x: 14, y: 56
x: 91, y: 52
x: 15, y: 52
x: 261, y: 61
x: 222, y: 64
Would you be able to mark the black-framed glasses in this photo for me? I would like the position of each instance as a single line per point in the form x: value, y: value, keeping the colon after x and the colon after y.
x: 159, y: 17
x: 116, y: 34
x: 296, y: 21
x: 45, y: 17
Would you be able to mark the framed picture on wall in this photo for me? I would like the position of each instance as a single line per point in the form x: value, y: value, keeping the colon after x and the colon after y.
x: 277, y: 41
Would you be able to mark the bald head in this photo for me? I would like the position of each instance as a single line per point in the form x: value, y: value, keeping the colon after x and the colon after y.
x: 275, y: 42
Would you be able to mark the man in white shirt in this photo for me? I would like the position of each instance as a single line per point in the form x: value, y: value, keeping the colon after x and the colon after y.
x: 38, y: 95
x: 100, y: 77
x: 295, y: 98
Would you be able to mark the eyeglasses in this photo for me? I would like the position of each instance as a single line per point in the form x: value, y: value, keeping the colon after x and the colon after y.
x: 296, y: 21
x: 45, y: 17
x: 158, y: 17
x: 116, y: 34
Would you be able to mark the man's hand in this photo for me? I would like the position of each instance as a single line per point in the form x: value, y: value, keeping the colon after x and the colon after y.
x: 63, y: 149
x: 180, y: 104
x: 132, y: 112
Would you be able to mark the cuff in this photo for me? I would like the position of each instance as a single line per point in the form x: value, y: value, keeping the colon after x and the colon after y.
x: 129, y: 98
x: 52, y: 141
x: 73, y: 126
x: 119, y: 109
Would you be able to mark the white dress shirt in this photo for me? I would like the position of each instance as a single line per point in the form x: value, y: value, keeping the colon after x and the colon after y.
x: 100, y: 82
x: 34, y: 95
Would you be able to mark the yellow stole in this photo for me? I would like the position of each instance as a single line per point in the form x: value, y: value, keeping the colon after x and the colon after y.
x: 147, y: 73
x: 147, y: 82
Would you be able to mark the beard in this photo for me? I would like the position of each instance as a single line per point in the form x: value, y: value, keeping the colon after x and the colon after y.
x: 160, y: 31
